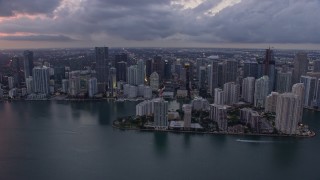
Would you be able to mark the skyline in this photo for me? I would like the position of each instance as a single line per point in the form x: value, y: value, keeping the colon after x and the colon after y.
x: 183, y: 23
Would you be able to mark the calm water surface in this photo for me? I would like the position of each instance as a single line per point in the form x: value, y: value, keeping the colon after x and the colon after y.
x: 66, y: 140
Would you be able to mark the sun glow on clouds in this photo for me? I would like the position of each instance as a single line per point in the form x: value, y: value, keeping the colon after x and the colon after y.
x: 187, y: 4
x: 222, y: 5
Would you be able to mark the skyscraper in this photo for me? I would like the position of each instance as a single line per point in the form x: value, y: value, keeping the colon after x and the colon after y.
x: 287, y: 113
x: 250, y: 69
x: 218, y: 113
x: 231, y: 93
x: 132, y: 75
x: 167, y: 70
x: 271, y: 102
x: 219, y: 96
x: 112, y: 83
x: 248, y: 85
x: 187, y: 109
x: 28, y: 63
x: 154, y: 81
x: 301, y: 63
x: 269, y: 69
x: 141, y: 72
x: 230, y: 71
x: 148, y: 68
x: 92, y: 87
x: 261, y: 91
x: 102, y: 63
x: 299, y: 90
x: 316, y: 66
x: 158, y: 66
x: 213, y: 76
x: 284, y: 80
x: 41, y: 80
x: 160, y: 114
x: 121, y: 68
x: 310, y: 87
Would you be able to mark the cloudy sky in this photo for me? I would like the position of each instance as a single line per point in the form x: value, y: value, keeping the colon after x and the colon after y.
x: 160, y: 23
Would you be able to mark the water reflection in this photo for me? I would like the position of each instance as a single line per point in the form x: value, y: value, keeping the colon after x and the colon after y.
x: 161, y: 142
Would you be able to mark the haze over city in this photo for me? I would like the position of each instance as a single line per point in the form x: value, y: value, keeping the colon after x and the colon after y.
x: 285, y: 24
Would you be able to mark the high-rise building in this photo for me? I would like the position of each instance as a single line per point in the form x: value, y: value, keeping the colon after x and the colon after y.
x: 102, y: 63
x: 261, y: 91
x: 154, y: 81
x: 141, y: 72
x: 121, y: 68
x: 287, y: 113
x: 219, y: 96
x: 121, y: 57
x: 271, y: 102
x: 316, y: 66
x: 301, y: 63
x: 112, y: 86
x: 230, y: 71
x: 160, y: 114
x: 132, y: 75
x: 284, y: 80
x: 248, y: 85
x: 187, y: 109
x: 218, y: 113
x: 65, y: 86
x: 231, y: 93
x: 158, y: 66
x: 250, y: 69
x: 202, y: 77
x: 213, y: 77
x: 29, y: 85
x: 148, y: 68
x: 74, y: 83
x: 16, y: 69
x: 92, y: 87
x: 28, y: 63
x: 41, y: 80
x: 269, y: 69
x: 167, y: 70
x: 310, y: 87
x: 11, y: 82
x: 299, y: 90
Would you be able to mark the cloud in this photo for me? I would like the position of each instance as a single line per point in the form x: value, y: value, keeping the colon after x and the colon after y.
x: 231, y: 21
x: 13, y: 7
x: 37, y: 38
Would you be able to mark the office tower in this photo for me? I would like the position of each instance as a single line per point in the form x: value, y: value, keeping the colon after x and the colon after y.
x: 102, y: 63
x: 250, y: 69
x: 16, y: 69
x: 187, y: 109
x: 154, y: 81
x: 132, y: 75
x: 188, y: 69
x: 147, y: 92
x: 92, y: 87
x: 202, y: 77
x: 310, y: 88
x: 287, y: 113
x: 121, y: 69
x: 141, y: 72
x: 11, y: 82
x: 271, y: 102
x: 269, y: 69
x: 29, y: 85
x: 261, y: 91
x: 200, y: 104
x: 229, y: 71
x: 65, y: 86
x: 41, y: 80
x: 284, y: 80
x: 248, y: 85
x: 158, y: 66
x: 316, y: 66
x: 299, y: 90
x: 121, y: 57
x: 141, y: 89
x: 28, y: 63
x: 213, y: 77
x: 218, y: 113
x: 301, y: 63
x: 167, y: 70
x: 160, y: 114
x: 148, y: 68
x: 178, y: 68
x: 59, y: 74
x: 74, y: 83
x: 112, y: 85
x: 219, y: 96
x: 231, y: 93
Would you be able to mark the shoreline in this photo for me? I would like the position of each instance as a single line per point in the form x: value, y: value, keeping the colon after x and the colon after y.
x: 313, y: 134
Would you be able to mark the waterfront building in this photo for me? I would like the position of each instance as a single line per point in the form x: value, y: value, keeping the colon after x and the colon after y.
x: 310, y: 87
x: 133, y: 92
x: 154, y: 81
x: 248, y: 85
x: 299, y: 90
x: 187, y: 109
x: 132, y: 75
x: 284, y: 80
x: 160, y: 114
x: 145, y: 108
x: 112, y: 81
x: 13, y: 93
x: 287, y: 113
x: 126, y: 90
x: 102, y: 63
x: 41, y: 80
x: 74, y: 86
x: 271, y: 102
x: 121, y: 69
x: 219, y: 96
x: 218, y: 113
x: 250, y: 69
x: 29, y: 84
x: 147, y: 92
x: 28, y: 63
x: 141, y: 89
x: 301, y: 63
x: 11, y: 82
x: 65, y: 86
x: 23, y: 91
x: 250, y: 117
x: 92, y: 87
x: 261, y: 91
x: 16, y: 69
x: 231, y: 93
x: 141, y: 72
x: 200, y: 104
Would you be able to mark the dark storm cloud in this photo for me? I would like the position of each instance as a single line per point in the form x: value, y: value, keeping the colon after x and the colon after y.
x: 38, y: 38
x: 12, y: 7
x: 251, y: 21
